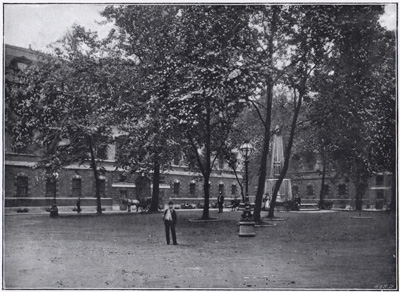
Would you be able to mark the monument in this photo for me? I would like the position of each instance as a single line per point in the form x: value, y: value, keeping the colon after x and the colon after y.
x: 277, y: 160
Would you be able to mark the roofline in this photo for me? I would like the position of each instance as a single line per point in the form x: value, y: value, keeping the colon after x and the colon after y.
x: 24, y: 49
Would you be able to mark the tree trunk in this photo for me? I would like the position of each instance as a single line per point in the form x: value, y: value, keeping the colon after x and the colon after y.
x: 361, y: 186
x: 206, y: 209
x: 287, y: 157
x: 207, y: 171
x: 321, y: 194
x: 263, y: 165
x: 267, y: 127
x: 156, y: 188
x: 239, y: 183
x: 96, y: 175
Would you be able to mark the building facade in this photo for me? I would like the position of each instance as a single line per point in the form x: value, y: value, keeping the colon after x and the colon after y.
x: 27, y: 186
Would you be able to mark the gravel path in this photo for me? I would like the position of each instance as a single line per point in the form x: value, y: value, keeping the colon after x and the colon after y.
x: 308, y: 250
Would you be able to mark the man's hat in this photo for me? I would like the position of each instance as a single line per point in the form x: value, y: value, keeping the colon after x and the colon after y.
x: 170, y: 203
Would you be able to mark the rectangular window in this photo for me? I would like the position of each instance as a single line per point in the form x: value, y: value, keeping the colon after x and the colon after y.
x: 192, y: 189
x: 379, y: 180
x: 102, y: 152
x: 50, y: 187
x: 327, y: 190
x: 176, y: 189
x: 234, y: 190
x: 22, y: 186
x: 102, y: 188
x: 76, y: 187
x: 342, y: 190
x: 310, y: 190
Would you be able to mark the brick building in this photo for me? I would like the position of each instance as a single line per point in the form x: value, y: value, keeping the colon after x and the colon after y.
x: 25, y: 185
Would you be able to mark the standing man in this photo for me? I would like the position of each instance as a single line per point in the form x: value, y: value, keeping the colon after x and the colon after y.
x: 170, y: 222
x: 220, y: 202
x: 297, y: 202
x: 78, y: 205
x: 129, y: 205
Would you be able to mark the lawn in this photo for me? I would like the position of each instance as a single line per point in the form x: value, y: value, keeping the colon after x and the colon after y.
x: 308, y: 250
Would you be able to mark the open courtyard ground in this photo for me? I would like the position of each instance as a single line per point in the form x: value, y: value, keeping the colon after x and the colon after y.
x: 308, y: 250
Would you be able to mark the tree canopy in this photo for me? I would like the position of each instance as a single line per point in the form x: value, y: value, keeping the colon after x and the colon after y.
x: 177, y: 78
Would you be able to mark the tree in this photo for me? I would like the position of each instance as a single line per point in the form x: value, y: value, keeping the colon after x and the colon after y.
x: 63, y: 104
x: 351, y: 89
x: 146, y: 34
x: 268, y: 28
x: 211, y: 82
x: 290, y: 41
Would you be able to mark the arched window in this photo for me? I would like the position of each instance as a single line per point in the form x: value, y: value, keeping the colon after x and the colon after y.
x: 192, y: 188
x: 221, y: 187
x: 102, y: 186
x: 177, y: 185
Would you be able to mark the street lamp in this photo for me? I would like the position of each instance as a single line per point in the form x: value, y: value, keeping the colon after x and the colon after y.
x: 246, y: 224
x: 54, y: 209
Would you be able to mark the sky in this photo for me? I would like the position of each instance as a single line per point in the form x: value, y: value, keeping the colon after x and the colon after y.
x: 41, y: 24
x: 38, y: 25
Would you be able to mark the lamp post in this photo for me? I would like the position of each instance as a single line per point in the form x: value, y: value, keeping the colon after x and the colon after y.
x: 246, y: 224
x: 54, y: 209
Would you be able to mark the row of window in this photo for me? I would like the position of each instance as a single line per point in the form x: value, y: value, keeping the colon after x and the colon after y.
x: 22, y: 185
x: 178, y: 191
x: 342, y: 190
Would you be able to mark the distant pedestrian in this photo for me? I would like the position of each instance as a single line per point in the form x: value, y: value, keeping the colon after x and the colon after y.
x: 220, y: 202
x: 78, y: 205
x: 170, y: 222
x: 267, y: 201
x: 297, y: 202
x: 129, y: 205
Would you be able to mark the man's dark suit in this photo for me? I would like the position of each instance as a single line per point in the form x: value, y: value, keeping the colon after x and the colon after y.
x: 170, y: 225
x: 220, y: 203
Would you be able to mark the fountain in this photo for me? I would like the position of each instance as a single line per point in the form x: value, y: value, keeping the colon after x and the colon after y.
x: 277, y: 160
